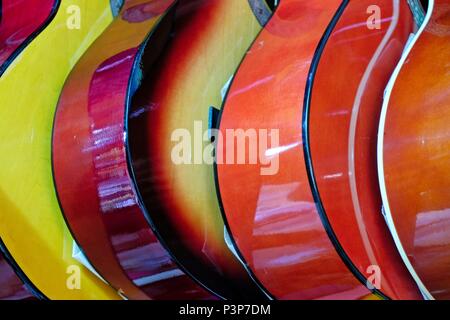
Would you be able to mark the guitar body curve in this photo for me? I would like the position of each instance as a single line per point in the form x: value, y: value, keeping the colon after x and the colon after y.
x: 269, y: 206
x: 210, y: 39
x: 21, y: 21
x: 89, y: 156
x: 414, y: 154
x: 33, y: 229
x: 11, y: 286
x: 343, y: 129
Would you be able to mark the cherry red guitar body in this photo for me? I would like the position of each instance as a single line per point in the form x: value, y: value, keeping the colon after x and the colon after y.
x: 20, y: 22
x: 414, y: 154
x: 94, y: 185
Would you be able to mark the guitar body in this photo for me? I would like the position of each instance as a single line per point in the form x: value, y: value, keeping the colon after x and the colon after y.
x: 210, y: 39
x: 343, y: 127
x: 270, y: 210
x: 414, y: 155
x: 32, y: 227
x: 94, y: 185
x: 11, y: 287
x: 21, y: 21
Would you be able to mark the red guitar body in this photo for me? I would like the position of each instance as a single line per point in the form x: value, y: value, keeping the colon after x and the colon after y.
x: 94, y: 185
x: 11, y: 287
x: 21, y: 21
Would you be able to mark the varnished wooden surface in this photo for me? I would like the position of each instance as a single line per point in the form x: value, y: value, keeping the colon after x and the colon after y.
x: 31, y: 224
x: 414, y: 163
x: 346, y: 102
x: 20, y: 21
x: 210, y: 38
x: 273, y: 218
x: 11, y: 287
x: 90, y: 163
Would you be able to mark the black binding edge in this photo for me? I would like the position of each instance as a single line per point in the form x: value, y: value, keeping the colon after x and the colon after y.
x: 3, y: 249
x: 134, y: 74
x: 217, y: 184
x: 308, y: 158
x: 147, y: 214
x: 307, y: 155
x: 18, y: 271
x: 140, y: 202
x: 30, y: 38
x: 60, y: 205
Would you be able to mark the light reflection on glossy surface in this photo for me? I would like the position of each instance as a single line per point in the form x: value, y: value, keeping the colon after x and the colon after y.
x: 416, y: 154
x: 20, y: 19
x: 274, y: 219
x: 210, y: 37
x: 344, y: 115
x: 89, y: 156
x: 32, y: 227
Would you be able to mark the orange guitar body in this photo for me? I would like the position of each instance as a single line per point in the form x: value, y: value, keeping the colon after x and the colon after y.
x: 414, y: 156
x: 272, y: 216
x: 343, y: 128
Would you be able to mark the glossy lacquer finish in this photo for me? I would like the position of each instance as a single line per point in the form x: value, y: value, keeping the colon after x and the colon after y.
x: 272, y: 216
x: 32, y: 226
x: 90, y: 163
x: 346, y: 101
x: 11, y: 287
x: 210, y: 39
x: 20, y: 21
x: 414, y: 156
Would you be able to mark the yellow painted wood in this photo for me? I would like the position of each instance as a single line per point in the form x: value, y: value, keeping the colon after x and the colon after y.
x: 31, y: 223
x: 209, y: 66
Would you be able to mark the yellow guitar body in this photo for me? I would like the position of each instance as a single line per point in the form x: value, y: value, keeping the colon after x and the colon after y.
x: 31, y: 224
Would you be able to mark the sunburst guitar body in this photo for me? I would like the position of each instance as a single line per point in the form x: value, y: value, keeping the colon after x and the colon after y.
x: 210, y: 39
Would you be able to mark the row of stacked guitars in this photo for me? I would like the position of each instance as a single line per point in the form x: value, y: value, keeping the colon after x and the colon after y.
x: 117, y: 180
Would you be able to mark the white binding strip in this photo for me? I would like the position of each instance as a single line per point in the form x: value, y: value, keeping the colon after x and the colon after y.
x: 353, y: 123
x: 380, y: 156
